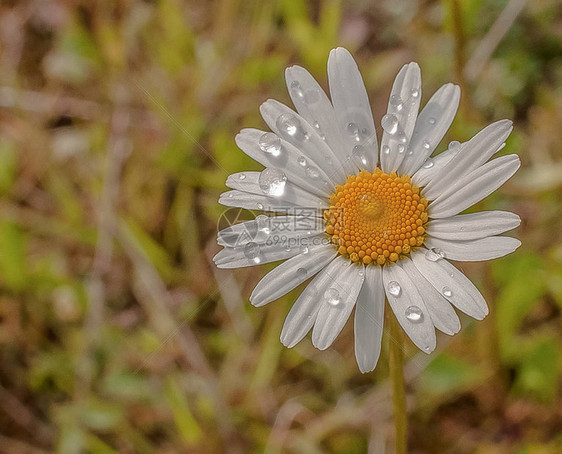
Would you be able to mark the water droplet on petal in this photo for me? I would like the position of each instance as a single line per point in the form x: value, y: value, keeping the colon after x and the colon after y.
x: 304, y: 250
x: 447, y: 292
x: 396, y: 102
x: 414, y: 314
x: 414, y: 93
x: 312, y: 172
x: 401, y: 137
x: 260, y: 206
x: 332, y: 296
x: 288, y: 124
x: 426, y: 145
x: 270, y: 143
x: 242, y: 176
x: 389, y: 123
x: 316, y: 125
x: 431, y: 120
x: 394, y: 288
x: 302, y: 273
x: 454, y: 145
x: 428, y: 163
x: 296, y: 89
x: 359, y: 155
x: 386, y: 149
x: 434, y: 254
x: 262, y: 223
x: 401, y: 148
x: 301, y: 160
x: 252, y: 252
x: 353, y: 130
x: 272, y: 181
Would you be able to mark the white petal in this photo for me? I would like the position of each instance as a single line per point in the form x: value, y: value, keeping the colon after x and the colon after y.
x: 452, y: 284
x: 402, y: 300
x: 314, y: 106
x: 332, y: 317
x: 253, y: 254
x: 487, y: 248
x: 474, y: 154
x: 472, y: 226
x: 299, y: 169
x: 369, y: 319
x: 265, y: 229
x: 442, y: 313
x: 472, y: 188
x: 403, y: 108
x: 351, y: 106
x: 303, y: 314
x: 432, y: 167
x: 304, y: 137
x: 291, y: 273
x: 432, y: 124
x: 293, y: 198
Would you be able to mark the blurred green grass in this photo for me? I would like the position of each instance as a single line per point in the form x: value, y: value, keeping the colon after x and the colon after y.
x: 117, y: 334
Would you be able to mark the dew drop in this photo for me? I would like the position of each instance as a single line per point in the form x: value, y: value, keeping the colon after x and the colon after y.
x: 394, y: 288
x: 401, y: 137
x: 230, y: 195
x: 353, y: 130
x: 447, y: 292
x: 426, y: 145
x: 316, y: 125
x: 434, y: 254
x: 414, y: 314
x: 396, y: 101
x: 288, y: 123
x: 389, y: 123
x: 312, y: 172
x: 252, y: 252
x: 301, y: 160
x: 296, y: 89
x: 386, y: 149
x: 242, y: 176
x: 304, y: 250
x: 270, y: 143
x: 428, y: 163
x: 431, y: 120
x: 454, y: 145
x: 359, y: 155
x: 272, y: 181
x: 414, y: 93
x: 260, y: 206
x: 302, y: 273
x: 332, y: 296
x: 401, y: 148
x: 262, y: 223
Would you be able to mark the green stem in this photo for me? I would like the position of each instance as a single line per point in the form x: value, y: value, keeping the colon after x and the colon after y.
x: 398, y: 391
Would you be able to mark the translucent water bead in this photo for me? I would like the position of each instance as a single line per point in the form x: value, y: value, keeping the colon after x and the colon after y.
x: 272, y: 181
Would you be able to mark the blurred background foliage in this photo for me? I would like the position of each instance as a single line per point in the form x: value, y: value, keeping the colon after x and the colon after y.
x: 117, y: 334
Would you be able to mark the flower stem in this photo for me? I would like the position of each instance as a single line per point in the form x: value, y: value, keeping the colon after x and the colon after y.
x: 398, y: 391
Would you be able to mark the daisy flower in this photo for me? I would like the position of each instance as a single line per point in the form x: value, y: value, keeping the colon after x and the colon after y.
x: 367, y: 223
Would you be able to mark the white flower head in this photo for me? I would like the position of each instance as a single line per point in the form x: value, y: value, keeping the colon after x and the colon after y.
x: 367, y: 223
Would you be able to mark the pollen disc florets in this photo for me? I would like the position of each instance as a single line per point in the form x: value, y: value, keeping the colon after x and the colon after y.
x: 376, y: 217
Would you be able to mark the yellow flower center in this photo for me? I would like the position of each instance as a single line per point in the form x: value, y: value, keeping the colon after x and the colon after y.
x: 376, y: 217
